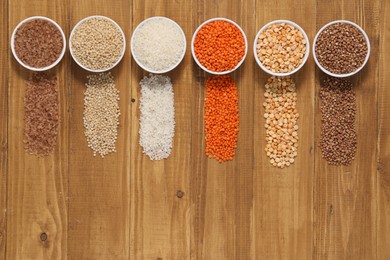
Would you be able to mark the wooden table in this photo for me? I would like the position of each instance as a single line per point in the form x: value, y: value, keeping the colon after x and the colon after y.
x: 71, y: 205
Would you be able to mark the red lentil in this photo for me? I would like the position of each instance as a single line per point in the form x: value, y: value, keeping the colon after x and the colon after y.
x: 221, y: 118
x: 219, y: 46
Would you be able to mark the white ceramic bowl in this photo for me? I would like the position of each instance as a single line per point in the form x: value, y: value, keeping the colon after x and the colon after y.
x: 347, y: 74
x: 140, y: 63
x: 305, y: 57
x: 82, y: 21
x: 13, y: 43
x: 193, y: 49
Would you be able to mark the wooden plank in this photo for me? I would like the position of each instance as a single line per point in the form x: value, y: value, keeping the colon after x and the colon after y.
x: 221, y: 194
x: 345, y: 197
x: 99, y: 188
x: 4, y: 48
x: 383, y: 210
x: 283, y: 197
x: 37, y: 186
x: 160, y: 220
x: 126, y: 206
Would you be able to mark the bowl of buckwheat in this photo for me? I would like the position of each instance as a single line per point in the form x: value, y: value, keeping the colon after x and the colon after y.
x: 281, y: 48
x: 341, y: 48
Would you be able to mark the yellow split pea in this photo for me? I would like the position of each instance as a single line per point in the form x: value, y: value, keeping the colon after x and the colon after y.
x: 281, y: 48
x: 281, y: 118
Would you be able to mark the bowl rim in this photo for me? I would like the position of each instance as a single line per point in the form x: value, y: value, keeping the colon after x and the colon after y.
x: 305, y: 57
x: 193, y: 49
x: 346, y: 74
x: 37, y: 17
x: 139, y: 63
x: 82, y: 21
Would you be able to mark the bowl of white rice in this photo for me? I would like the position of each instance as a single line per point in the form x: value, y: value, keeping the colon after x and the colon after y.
x: 158, y: 44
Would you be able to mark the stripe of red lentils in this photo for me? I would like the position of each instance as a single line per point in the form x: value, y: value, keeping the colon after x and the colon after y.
x: 221, y: 118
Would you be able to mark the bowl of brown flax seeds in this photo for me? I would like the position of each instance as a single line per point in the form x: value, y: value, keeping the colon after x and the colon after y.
x: 341, y: 48
x: 38, y: 43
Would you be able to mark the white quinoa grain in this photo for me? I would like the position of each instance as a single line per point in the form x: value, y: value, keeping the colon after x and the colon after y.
x: 101, y: 113
x: 97, y: 43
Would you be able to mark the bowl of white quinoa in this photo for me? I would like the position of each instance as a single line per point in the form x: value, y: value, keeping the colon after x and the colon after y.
x: 158, y: 44
x: 97, y: 43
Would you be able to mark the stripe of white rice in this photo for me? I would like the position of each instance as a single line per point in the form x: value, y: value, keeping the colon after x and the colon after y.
x: 157, y: 119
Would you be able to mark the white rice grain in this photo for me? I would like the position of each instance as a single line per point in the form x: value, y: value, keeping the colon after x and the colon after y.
x: 158, y: 44
x: 157, y: 120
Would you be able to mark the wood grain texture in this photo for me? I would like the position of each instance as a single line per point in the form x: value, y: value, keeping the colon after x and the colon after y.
x: 99, y: 188
x: 37, y: 186
x: 160, y: 220
x: 3, y: 125
x: 283, y: 197
x: 383, y: 179
x: 345, y: 197
x: 126, y: 207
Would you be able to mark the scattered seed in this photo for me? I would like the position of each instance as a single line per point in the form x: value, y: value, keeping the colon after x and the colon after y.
x: 281, y: 127
x: 41, y: 118
x: 157, y: 119
x: 101, y: 113
x: 221, y: 118
x: 338, y: 111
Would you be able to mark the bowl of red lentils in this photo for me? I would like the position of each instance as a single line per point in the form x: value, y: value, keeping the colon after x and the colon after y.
x: 219, y: 46
x: 38, y: 43
x: 341, y: 48
x: 281, y: 48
